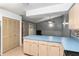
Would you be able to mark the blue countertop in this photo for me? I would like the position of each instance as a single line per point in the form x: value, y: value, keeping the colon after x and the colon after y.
x: 70, y: 44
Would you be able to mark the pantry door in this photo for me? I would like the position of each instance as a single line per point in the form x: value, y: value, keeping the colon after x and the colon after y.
x: 11, y: 33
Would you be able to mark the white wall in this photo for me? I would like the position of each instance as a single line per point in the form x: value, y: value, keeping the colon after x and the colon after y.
x: 9, y: 14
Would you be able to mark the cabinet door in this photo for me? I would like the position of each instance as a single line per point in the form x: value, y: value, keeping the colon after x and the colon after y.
x: 6, y: 35
x: 16, y: 34
x: 34, y: 48
x: 71, y: 19
x: 31, y: 47
x: 26, y: 47
x: 11, y: 33
x: 74, y: 17
x: 4, y: 27
x: 53, y: 49
x: 61, y: 50
x: 42, y: 48
x: 30, y: 44
x: 5, y: 44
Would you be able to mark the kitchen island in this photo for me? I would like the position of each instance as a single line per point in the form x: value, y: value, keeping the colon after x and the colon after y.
x: 49, y: 45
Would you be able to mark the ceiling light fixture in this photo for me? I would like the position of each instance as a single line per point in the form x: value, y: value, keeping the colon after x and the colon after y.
x: 51, y: 24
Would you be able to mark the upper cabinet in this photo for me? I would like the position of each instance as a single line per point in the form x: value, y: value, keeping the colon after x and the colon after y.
x: 74, y: 17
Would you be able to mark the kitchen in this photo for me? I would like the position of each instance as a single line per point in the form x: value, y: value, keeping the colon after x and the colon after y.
x: 39, y: 29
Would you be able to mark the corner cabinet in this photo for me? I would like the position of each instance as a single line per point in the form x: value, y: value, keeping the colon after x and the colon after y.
x: 74, y: 17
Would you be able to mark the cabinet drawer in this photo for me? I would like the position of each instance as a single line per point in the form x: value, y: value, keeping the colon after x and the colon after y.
x: 31, y: 41
x: 54, y: 44
x: 43, y: 43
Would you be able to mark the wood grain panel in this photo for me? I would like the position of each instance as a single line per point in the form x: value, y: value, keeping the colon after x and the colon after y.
x: 53, y: 51
x: 11, y: 33
x: 43, y: 48
x: 74, y: 17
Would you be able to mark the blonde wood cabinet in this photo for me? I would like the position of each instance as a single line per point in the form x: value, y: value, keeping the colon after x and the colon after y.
x: 50, y: 49
x: 53, y: 49
x: 31, y: 47
x: 43, y: 48
x: 74, y: 17
x: 61, y: 50
x: 26, y: 47
x: 34, y: 48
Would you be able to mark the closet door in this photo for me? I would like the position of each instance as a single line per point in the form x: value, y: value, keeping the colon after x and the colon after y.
x: 11, y: 33
x: 5, y: 34
x: 17, y: 33
x: 10, y: 29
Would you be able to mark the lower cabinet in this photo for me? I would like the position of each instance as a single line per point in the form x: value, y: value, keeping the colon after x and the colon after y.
x: 31, y: 47
x: 53, y: 49
x: 43, y: 48
x: 34, y: 48
x: 40, y: 48
x: 61, y: 50
x: 26, y: 47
